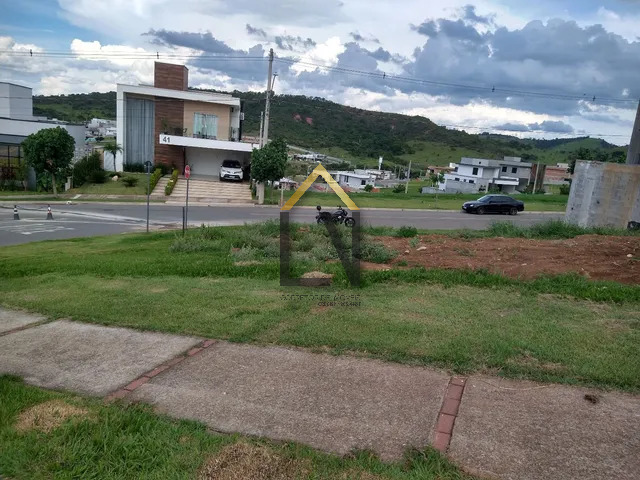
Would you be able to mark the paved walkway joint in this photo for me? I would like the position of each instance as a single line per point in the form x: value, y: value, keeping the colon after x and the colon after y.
x: 448, y: 413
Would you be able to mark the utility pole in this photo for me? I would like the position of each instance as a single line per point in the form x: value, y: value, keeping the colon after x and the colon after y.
x: 406, y: 187
x: 267, y: 107
x: 264, y: 137
x: 261, y: 126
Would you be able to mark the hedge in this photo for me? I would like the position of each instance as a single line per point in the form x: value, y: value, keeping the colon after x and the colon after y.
x: 153, y: 181
x: 171, y: 183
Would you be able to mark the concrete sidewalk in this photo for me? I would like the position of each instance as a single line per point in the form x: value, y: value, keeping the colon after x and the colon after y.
x: 489, y: 426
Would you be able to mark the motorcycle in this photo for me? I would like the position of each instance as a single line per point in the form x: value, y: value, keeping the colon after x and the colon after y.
x: 338, y: 217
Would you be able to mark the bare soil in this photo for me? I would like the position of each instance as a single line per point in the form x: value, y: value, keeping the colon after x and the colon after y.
x: 596, y: 257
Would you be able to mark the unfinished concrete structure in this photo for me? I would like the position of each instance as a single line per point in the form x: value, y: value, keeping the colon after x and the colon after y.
x: 604, y: 194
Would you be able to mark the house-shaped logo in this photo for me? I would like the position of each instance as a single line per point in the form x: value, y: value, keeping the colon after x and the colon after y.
x: 320, y: 171
x: 349, y: 257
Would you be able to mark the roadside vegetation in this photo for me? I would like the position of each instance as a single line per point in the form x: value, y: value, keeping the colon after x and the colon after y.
x: 48, y: 434
x: 223, y: 282
x: 387, y: 198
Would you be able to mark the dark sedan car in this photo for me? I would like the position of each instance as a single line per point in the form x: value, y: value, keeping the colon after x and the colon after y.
x: 494, y: 204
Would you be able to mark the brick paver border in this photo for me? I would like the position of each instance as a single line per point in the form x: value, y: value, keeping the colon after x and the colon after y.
x: 448, y: 413
x: 142, y: 379
x: 25, y: 327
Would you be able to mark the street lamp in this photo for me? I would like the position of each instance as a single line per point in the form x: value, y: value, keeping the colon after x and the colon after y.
x: 147, y: 166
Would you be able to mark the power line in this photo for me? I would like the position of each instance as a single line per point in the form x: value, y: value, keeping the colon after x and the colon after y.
x: 293, y: 61
x: 492, y: 89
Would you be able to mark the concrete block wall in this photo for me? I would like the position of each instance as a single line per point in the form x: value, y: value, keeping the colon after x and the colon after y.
x: 604, y: 194
x: 461, y: 187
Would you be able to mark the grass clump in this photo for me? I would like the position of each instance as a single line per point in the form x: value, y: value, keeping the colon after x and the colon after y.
x: 551, y: 229
x: 406, y: 231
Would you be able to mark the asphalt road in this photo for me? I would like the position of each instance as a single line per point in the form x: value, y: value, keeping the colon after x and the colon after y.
x: 91, y: 219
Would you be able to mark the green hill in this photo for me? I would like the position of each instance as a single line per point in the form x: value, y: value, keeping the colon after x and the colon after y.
x: 359, y: 136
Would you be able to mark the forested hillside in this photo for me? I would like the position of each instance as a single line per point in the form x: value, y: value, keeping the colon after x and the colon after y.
x: 360, y: 136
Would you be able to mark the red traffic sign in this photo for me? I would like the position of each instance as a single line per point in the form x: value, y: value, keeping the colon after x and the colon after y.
x: 187, y: 171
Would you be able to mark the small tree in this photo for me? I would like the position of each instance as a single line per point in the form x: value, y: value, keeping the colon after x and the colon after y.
x: 113, y: 148
x: 49, y: 150
x: 268, y: 164
x: 436, y: 178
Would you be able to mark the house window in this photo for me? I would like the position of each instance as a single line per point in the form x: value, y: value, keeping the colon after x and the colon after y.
x: 514, y: 170
x: 457, y: 179
x: 205, y: 125
x: 504, y: 169
x: 475, y: 171
x: 472, y: 181
x: 363, y: 182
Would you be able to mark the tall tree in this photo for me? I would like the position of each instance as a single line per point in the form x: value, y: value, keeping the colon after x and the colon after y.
x: 113, y: 148
x: 268, y: 164
x: 49, y: 150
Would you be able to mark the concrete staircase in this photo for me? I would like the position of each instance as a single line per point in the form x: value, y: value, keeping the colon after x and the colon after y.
x: 159, y: 188
x: 210, y: 192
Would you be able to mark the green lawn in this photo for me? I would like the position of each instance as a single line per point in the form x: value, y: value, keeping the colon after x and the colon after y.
x: 118, y: 441
x: 415, y: 200
x: 552, y: 329
x: 110, y: 187
x: 17, y: 193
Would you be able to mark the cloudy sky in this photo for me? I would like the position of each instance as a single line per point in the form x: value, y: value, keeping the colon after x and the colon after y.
x: 525, y: 68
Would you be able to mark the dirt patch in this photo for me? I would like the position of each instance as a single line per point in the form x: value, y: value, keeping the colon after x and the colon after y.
x: 48, y: 416
x: 598, y: 257
x: 242, y: 461
x: 374, y: 266
x: 526, y: 359
x: 316, y: 279
x: 159, y: 289
x: 319, y: 309
x: 247, y: 263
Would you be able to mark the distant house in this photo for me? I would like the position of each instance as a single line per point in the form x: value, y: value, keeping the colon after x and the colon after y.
x: 473, y: 175
x: 558, y: 175
x: 354, y: 180
x: 17, y: 122
x: 376, y: 174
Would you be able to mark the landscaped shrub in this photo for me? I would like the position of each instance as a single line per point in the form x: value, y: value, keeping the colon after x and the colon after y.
x: 134, y: 167
x: 565, y: 189
x: 368, y: 188
x: 97, y: 176
x: 85, y: 167
x: 171, y: 183
x: 398, y: 188
x: 406, y: 231
x: 130, y: 181
x: 153, y: 181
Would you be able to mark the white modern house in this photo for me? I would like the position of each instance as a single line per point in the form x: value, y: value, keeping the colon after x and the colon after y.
x: 17, y: 122
x: 168, y: 123
x: 473, y: 175
x: 376, y: 174
x: 354, y: 180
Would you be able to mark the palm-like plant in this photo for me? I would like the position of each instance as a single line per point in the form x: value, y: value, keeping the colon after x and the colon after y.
x: 113, y: 148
